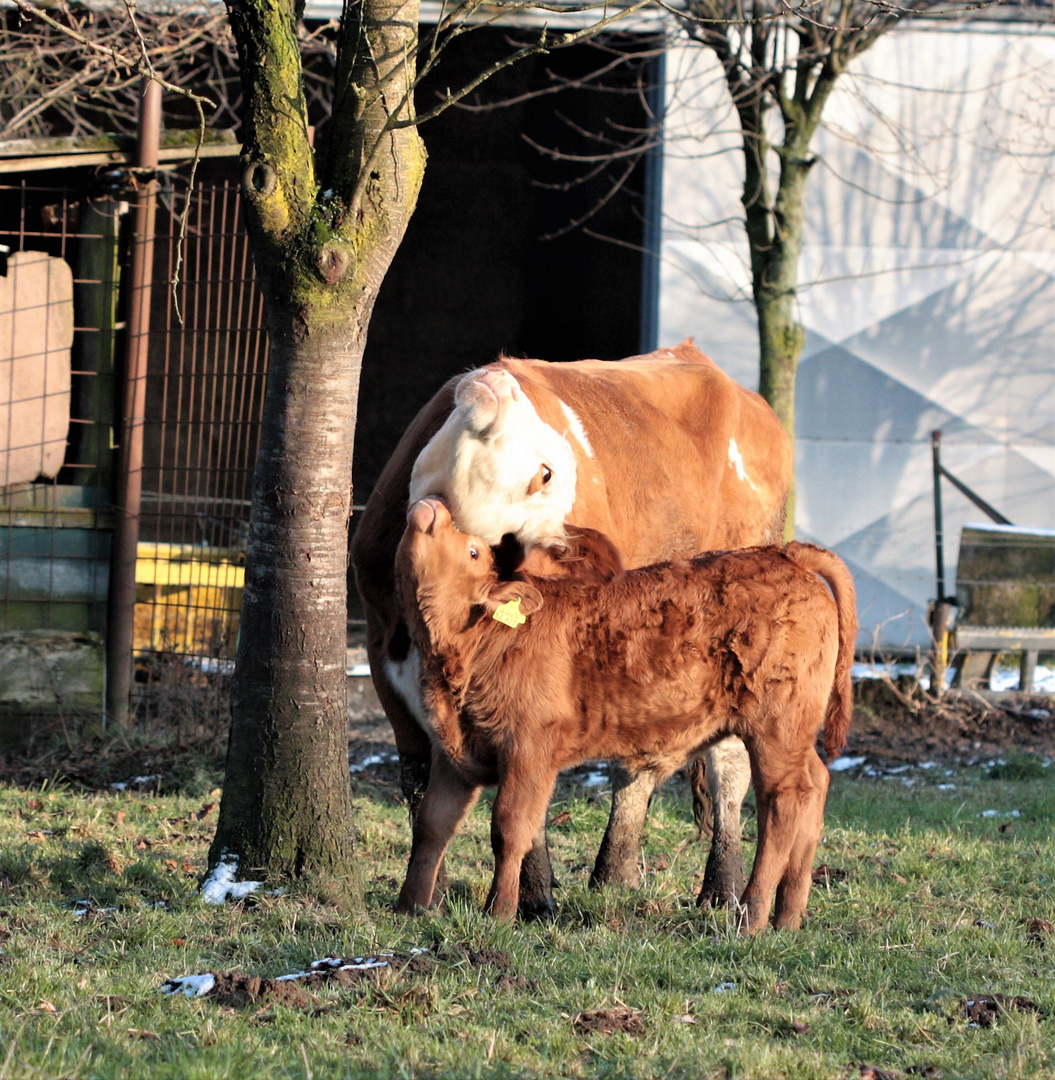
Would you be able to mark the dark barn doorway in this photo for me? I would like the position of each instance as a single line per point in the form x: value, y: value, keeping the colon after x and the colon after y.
x: 493, y: 260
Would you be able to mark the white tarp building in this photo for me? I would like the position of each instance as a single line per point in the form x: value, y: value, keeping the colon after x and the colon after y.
x: 928, y: 293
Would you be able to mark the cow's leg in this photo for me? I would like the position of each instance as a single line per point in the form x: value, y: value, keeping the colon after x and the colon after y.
x: 518, y: 816
x: 396, y: 680
x: 793, y: 890
x: 619, y: 859
x: 447, y: 800
x: 785, y: 790
x: 728, y: 776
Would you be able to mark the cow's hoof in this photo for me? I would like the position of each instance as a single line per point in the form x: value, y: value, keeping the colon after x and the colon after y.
x: 624, y: 873
x: 723, y: 883
x: 537, y: 909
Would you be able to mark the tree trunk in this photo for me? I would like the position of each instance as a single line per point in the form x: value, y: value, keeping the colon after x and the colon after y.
x: 322, y: 245
x: 287, y: 795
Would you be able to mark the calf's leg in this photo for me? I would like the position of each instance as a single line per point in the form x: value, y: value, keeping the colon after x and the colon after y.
x: 786, y: 790
x: 793, y: 890
x: 728, y: 776
x: 396, y: 682
x: 518, y: 816
x: 447, y: 800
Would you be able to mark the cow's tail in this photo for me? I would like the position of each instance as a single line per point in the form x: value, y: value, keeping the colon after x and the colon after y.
x: 837, y: 577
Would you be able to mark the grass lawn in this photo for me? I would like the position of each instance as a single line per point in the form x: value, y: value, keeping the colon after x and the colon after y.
x: 938, y: 896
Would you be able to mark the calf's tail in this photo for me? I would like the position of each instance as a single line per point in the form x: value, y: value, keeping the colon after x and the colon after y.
x: 833, y: 570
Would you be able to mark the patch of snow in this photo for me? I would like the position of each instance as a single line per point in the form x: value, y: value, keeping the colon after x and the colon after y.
x: 372, y: 759
x: 358, y: 671
x: 595, y: 779
x: 81, y: 908
x: 946, y: 787
x: 1000, y: 813
x: 210, y: 665
x: 724, y: 988
x: 221, y: 886
x: 191, y: 986
x: 136, y: 781
x: 844, y: 763
x: 863, y: 671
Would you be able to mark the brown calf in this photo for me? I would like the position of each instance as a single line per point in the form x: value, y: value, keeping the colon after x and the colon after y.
x: 647, y: 667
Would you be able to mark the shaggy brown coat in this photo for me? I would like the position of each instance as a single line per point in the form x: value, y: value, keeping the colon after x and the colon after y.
x: 647, y: 667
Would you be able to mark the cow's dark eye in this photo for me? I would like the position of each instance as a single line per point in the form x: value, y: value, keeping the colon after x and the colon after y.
x: 547, y: 474
x: 474, y: 553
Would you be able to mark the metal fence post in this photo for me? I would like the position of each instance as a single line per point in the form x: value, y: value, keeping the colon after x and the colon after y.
x: 120, y: 612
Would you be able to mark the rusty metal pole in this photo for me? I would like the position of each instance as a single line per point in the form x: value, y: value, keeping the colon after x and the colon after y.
x: 940, y: 613
x: 120, y: 610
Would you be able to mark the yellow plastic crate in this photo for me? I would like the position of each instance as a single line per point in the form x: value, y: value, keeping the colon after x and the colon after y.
x: 188, y: 599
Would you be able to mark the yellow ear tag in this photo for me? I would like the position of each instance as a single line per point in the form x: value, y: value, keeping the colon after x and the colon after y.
x: 510, y: 613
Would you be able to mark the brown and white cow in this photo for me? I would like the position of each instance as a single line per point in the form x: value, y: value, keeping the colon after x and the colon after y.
x: 663, y: 453
x: 526, y: 677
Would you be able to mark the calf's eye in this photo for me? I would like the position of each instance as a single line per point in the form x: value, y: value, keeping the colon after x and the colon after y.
x: 547, y: 474
x: 474, y: 553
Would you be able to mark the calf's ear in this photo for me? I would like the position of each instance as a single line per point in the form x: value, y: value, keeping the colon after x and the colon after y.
x: 591, y: 555
x: 530, y: 598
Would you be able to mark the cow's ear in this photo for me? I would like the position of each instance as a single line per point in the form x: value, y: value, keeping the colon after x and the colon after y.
x: 590, y: 555
x: 506, y: 591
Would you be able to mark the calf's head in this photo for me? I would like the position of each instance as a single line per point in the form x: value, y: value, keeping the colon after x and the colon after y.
x: 449, y: 577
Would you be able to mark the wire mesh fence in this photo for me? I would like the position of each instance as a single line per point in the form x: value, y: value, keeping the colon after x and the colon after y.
x: 61, y: 366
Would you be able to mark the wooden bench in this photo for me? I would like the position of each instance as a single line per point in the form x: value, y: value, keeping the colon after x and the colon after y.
x: 1005, y: 591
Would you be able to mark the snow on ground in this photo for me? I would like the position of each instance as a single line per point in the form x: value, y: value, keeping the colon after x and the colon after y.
x: 199, y: 985
x: 189, y: 985
x: 1003, y: 678
x: 221, y: 884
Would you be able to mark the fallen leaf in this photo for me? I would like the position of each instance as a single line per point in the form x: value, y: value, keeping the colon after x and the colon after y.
x: 873, y: 1072
x: 561, y: 818
x: 824, y: 875
x: 135, y: 1033
x: 983, y: 1009
x: 119, y: 817
x: 1038, y: 929
x: 47, y: 1007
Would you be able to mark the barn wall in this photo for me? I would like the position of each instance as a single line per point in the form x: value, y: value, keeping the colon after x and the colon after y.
x: 928, y: 294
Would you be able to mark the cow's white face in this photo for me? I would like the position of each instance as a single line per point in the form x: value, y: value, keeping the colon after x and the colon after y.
x: 498, y: 465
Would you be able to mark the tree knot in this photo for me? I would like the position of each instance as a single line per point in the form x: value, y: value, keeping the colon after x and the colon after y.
x: 333, y: 263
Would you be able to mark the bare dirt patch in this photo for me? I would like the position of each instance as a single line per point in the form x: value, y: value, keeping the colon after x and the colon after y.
x: 610, y: 1021
x: 958, y: 728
